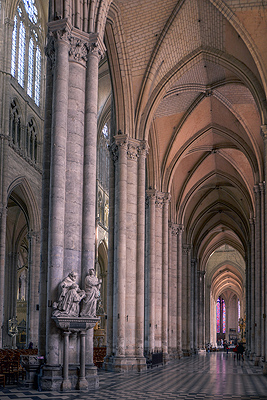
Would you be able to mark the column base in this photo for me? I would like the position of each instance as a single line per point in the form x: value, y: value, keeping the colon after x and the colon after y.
x: 264, y: 369
x: 166, y: 358
x: 257, y: 361
x: 124, y: 363
x: 52, y: 379
x: 82, y: 384
x: 66, y: 385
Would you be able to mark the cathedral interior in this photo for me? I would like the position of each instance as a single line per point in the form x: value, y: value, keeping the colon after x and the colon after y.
x: 134, y: 143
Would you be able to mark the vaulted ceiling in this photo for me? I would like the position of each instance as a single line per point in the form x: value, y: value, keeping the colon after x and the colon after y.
x: 195, y: 91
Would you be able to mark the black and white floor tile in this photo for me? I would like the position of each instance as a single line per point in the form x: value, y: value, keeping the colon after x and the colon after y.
x: 208, y: 376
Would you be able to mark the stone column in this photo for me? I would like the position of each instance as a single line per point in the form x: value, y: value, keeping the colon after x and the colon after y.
x: 165, y: 264
x: 7, y: 28
x: 262, y: 268
x: 59, y: 30
x: 152, y: 217
x: 3, y: 212
x: 121, y: 206
x: 179, y: 290
x: 74, y: 152
x: 33, y: 285
x: 158, y: 270
x: 50, y: 52
x: 264, y: 218
x: 192, y: 305
x: 257, y: 276
x: 111, y: 254
x: 82, y: 382
x: 66, y: 384
x: 95, y: 50
x: 196, y: 341
x: 173, y: 265
x: 252, y: 292
x: 201, y: 309
x: 140, y: 269
x: 248, y: 294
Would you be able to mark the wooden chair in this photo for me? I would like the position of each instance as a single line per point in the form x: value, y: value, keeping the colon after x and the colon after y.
x: 2, y: 380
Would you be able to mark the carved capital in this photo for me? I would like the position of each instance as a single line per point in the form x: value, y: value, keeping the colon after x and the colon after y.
x: 186, y: 249
x: 264, y: 132
x: 262, y: 186
x: 121, y: 141
x: 50, y: 50
x: 60, y: 29
x: 256, y: 188
x: 78, y: 50
x: 160, y: 199
x: 132, y: 151
x: 96, y: 46
x: 143, y: 148
x: 174, y: 229
x: 167, y: 198
x: 181, y: 228
x: 114, y: 154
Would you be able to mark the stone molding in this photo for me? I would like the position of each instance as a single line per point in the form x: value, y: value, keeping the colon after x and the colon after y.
x: 264, y: 132
x: 134, y: 148
x: 75, y: 324
x: 186, y: 249
x: 160, y: 198
x: 78, y: 50
x: 80, y: 44
x: 174, y: 229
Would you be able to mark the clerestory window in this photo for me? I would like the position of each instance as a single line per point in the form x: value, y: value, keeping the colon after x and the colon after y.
x: 26, y: 66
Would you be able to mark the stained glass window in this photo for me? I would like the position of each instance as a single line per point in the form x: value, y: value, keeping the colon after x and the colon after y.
x: 238, y: 313
x: 14, y: 48
x: 37, y: 76
x: 218, y: 315
x: 30, y: 68
x: 21, y: 58
x: 221, y: 315
x: 26, y: 25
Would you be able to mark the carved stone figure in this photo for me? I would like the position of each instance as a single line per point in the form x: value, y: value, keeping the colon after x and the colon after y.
x: 69, y: 298
x: 92, y: 290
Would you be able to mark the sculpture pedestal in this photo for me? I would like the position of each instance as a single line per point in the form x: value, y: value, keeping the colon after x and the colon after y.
x: 31, y: 363
x: 71, y: 325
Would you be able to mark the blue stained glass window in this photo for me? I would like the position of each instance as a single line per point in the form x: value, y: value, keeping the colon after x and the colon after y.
x: 37, y: 76
x: 21, y: 58
x: 25, y: 41
x: 223, y: 316
x: 218, y: 315
x: 31, y: 10
x: 30, y: 68
x: 14, y: 48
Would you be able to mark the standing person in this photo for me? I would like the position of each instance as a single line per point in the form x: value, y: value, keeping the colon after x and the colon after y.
x: 240, y: 351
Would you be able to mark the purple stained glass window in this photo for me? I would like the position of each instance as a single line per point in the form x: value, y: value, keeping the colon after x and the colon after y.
x: 221, y: 315
x: 218, y: 315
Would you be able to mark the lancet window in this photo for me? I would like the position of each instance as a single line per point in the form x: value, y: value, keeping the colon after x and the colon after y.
x: 26, y: 65
x: 221, y: 315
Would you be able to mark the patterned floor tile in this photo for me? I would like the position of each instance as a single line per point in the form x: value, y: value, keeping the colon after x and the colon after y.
x: 214, y: 376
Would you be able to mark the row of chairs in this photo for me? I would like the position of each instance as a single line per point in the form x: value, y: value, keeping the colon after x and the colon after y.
x: 10, y: 369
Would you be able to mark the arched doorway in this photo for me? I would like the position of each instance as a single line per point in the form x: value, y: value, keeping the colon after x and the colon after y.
x: 21, y: 298
x: 225, y: 300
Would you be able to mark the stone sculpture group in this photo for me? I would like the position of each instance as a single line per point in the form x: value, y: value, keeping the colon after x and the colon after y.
x: 75, y: 302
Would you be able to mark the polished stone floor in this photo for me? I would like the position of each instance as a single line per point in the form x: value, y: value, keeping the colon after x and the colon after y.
x: 207, y: 376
